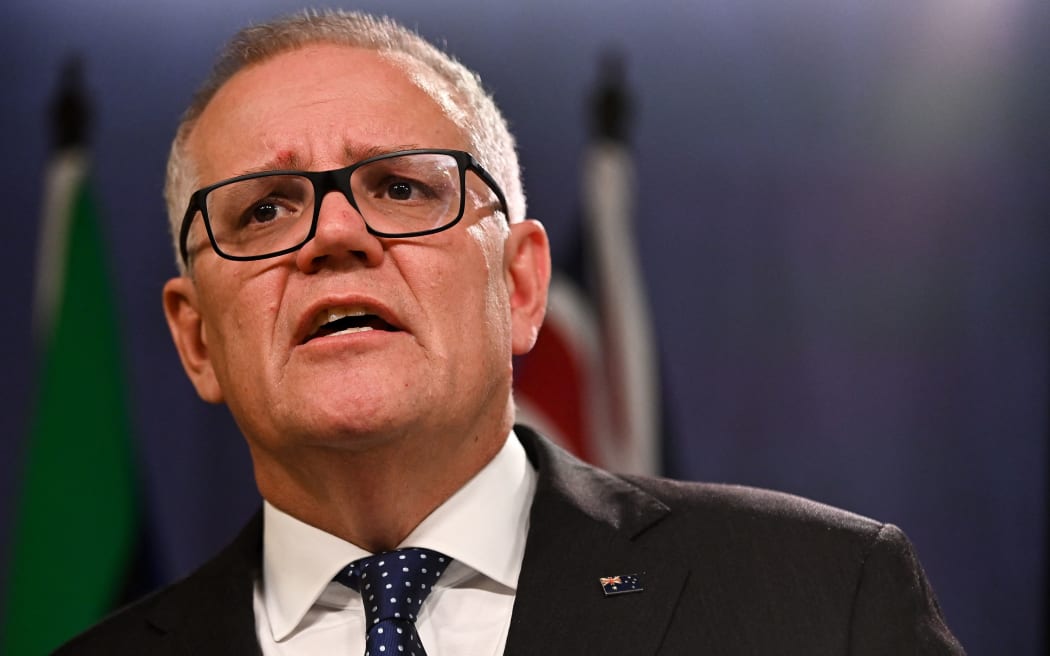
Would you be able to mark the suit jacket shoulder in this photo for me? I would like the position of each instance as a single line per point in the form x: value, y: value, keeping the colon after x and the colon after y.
x: 724, y: 569
x: 208, y: 612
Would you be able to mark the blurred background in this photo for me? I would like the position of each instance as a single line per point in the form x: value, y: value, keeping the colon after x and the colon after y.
x: 840, y: 219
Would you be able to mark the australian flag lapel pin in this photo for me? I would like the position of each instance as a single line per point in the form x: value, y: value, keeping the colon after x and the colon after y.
x: 621, y: 584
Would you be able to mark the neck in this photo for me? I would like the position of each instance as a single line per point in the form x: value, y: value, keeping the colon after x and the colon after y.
x: 374, y: 498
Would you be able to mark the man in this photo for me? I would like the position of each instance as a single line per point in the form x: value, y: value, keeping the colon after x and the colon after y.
x: 356, y: 274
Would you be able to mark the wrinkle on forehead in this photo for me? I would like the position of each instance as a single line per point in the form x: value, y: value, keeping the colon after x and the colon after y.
x: 292, y: 155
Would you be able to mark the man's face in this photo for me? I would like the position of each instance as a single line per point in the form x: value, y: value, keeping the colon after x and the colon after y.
x: 441, y: 307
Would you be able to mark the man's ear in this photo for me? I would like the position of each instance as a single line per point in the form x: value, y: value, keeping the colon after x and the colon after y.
x: 527, y: 263
x: 187, y: 327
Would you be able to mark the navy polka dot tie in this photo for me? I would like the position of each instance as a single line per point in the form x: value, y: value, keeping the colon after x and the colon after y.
x: 393, y: 586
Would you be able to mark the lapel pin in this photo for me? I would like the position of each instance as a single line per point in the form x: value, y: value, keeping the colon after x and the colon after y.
x: 622, y: 584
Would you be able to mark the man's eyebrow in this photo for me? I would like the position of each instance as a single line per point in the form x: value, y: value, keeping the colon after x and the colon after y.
x: 284, y: 160
x: 291, y: 161
x: 353, y: 154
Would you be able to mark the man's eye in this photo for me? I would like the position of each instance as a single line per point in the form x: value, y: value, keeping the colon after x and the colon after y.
x: 264, y: 213
x: 406, y: 189
x: 400, y: 190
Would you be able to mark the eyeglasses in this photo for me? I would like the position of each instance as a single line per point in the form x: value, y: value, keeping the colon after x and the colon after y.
x: 408, y: 193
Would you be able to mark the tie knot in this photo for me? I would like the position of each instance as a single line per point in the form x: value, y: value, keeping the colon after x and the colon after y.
x: 393, y: 585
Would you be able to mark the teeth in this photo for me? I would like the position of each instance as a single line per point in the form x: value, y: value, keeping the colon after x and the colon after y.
x: 346, y: 331
x: 334, y: 314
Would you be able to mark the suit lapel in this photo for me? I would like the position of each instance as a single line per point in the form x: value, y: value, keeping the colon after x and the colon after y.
x: 212, y: 613
x: 587, y: 524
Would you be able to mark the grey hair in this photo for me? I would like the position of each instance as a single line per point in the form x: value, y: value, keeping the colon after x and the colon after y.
x: 458, y: 90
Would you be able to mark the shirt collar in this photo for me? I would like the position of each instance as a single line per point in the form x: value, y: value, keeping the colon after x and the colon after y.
x: 482, y: 526
x: 485, y: 523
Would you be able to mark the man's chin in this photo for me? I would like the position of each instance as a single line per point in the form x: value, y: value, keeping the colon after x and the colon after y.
x: 355, y: 422
x: 326, y: 443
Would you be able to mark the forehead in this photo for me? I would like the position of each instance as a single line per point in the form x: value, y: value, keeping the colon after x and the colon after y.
x: 321, y: 106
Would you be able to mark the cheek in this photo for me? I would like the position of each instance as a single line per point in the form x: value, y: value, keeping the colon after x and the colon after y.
x: 241, y: 316
x: 495, y: 304
x: 460, y: 288
x: 487, y: 237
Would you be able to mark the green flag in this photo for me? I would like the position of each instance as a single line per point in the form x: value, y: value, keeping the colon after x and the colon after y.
x: 76, y: 520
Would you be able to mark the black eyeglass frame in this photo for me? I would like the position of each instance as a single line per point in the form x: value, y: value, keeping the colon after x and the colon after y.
x: 325, y: 182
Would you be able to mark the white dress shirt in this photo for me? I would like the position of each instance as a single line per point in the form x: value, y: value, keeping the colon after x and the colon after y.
x: 300, y: 611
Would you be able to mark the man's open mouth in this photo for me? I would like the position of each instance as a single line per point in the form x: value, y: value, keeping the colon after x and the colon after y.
x: 341, y: 321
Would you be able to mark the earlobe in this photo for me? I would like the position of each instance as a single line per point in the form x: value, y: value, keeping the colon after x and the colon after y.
x: 188, y: 330
x: 528, y: 269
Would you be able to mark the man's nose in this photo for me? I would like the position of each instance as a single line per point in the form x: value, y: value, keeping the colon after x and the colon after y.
x: 341, y: 237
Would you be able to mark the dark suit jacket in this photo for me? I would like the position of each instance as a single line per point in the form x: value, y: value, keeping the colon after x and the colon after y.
x: 725, y: 570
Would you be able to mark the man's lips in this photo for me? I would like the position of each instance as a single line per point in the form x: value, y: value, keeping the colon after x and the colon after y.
x: 342, y: 319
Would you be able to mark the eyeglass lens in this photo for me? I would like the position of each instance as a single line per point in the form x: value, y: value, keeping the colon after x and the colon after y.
x: 394, y: 195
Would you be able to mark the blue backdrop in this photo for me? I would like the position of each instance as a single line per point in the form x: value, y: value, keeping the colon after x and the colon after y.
x: 842, y: 220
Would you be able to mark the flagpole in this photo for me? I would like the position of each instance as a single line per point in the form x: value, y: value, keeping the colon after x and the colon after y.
x: 70, y: 118
x: 631, y: 404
